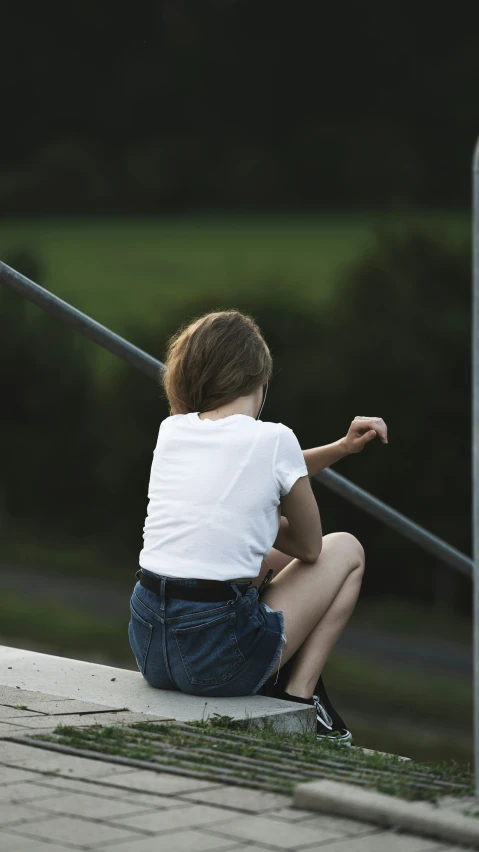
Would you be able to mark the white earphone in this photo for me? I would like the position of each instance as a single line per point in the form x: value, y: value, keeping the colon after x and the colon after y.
x: 264, y: 400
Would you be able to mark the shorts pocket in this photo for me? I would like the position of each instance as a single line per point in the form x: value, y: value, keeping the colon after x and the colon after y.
x: 139, y: 634
x: 210, y: 652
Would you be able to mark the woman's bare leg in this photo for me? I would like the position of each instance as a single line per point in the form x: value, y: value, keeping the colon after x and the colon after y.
x: 316, y: 600
x: 315, y: 650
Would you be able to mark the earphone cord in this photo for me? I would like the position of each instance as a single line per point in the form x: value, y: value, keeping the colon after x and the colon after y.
x: 264, y: 400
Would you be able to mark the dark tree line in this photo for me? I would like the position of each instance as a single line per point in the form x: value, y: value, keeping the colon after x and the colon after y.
x: 236, y: 103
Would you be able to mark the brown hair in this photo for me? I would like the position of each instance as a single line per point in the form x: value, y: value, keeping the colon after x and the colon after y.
x: 213, y: 360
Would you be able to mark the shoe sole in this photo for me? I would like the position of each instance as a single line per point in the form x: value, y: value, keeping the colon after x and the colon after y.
x: 346, y: 740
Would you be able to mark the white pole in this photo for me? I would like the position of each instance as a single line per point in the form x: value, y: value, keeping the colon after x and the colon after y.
x: 475, y: 446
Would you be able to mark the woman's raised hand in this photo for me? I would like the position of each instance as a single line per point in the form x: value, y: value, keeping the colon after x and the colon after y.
x: 362, y: 431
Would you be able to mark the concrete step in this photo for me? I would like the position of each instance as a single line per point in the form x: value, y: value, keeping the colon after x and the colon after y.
x: 117, y: 689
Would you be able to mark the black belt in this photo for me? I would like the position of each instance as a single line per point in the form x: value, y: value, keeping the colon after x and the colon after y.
x: 205, y: 590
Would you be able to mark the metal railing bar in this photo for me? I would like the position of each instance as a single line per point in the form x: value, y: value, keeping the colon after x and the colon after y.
x: 475, y: 446
x: 395, y: 520
x: 152, y: 367
x: 81, y: 322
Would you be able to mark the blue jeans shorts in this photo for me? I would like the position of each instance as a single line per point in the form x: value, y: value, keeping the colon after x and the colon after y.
x: 222, y: 648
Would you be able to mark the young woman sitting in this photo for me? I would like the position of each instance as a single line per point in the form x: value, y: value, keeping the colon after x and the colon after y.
x: 230, y: 503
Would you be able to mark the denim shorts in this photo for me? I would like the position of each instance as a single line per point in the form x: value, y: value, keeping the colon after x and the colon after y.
x: 222, y: 648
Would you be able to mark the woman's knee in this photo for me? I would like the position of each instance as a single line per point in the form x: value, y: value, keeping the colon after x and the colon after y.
x: 350, y: 546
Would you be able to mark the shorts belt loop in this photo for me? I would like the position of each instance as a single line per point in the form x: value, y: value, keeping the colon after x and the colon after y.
x: 163, y: 594
x: 239, y: 593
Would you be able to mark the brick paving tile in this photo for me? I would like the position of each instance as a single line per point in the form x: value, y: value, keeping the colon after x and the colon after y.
x: 11, y: 729
x: 311, y: 819
x: 85, y: 805
x: 188, y: 816
x: 11, y: 843
x: 102, y: 790
x: 240, y: 798
x: 151, y: 800
x: 346, y: 826
x: 25, y: 792
x: 11, y: 813
x: 44, y: 760
x: 291, y: 814
x: 13, y: 713
x: 30, y: 724
x: 158, y: 782
x: 384, y: 841
x: 12, y: 775
x: 180, y: 841
x: 449, y: 848
x: 37, y: 723
x: 25, y: 727
x: 40, y: 723
x: 74, y: 831
x: 249, y: 847
x: 13, y: 752
x: 45, y: 847
x: 12, y: 695
x: 343, y: 824
x: 65, y: 705
x: 262, y: 829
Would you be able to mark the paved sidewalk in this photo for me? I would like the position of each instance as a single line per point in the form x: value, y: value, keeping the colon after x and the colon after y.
x: 52, y: 802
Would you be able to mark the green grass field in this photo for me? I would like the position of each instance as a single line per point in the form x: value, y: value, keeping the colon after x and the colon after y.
x: 127, y: 270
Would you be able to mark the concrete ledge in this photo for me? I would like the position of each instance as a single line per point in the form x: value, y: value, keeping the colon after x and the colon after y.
x: 384, y: 753
x: 420, y: 818
x: 118, y: 689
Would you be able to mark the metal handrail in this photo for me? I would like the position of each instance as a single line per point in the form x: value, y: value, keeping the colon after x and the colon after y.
x: 396, y: 521
x: 152, y: 367
x: 79, y: 321
x: 475, y: 446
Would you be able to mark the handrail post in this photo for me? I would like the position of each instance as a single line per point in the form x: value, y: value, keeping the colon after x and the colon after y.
x: 475, y: 447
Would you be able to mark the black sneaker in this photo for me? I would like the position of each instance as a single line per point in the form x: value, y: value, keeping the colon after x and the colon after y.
x: 329, y: 724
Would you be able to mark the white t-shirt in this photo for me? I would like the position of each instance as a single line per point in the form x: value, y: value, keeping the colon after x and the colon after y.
x: 214, y: 510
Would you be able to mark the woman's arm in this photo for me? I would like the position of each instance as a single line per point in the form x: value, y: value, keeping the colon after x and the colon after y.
x: 287, y: 544
x: 320, y: 457
x: 360, y: 433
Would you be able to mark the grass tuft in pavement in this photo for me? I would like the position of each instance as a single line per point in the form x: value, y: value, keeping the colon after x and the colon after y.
x: 239, y: 753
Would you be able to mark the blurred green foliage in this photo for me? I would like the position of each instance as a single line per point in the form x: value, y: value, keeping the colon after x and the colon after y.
x: 65, y: 630
x: 393, y: 340
x: 133, y: 270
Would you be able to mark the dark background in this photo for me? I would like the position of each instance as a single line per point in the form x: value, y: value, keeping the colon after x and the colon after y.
x: 172, y: 105
x: 255, y: 117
